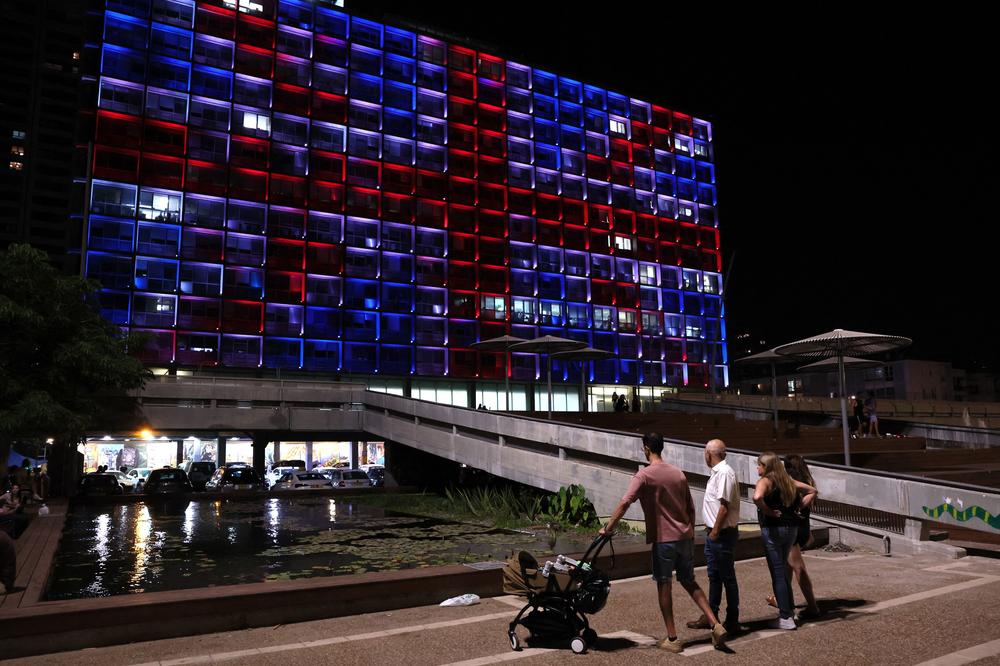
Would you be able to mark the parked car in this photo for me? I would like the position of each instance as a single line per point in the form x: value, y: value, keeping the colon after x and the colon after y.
x: 138, y: 476
x: 376, y: 474
x: 237, y: 464
x: 100, y: 485
x: 167, y: 480
x: 346, y: 478
x: 198, y: 472
x: 299, y: 480
x: 127, y: 482
x: 276, y: 473
x: 234, y: 478
x: 295, y: 464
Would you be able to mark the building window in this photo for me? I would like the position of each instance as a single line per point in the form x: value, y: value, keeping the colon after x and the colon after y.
x: 623, y: 243
x: 603, y: 318
x: 493, y: 307
x: 245, y: 6
x: 256, y: 121
x: 17, y: 135
x: 15, y: 165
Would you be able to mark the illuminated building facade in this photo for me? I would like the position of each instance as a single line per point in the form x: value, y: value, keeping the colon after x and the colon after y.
x: 280, y: 184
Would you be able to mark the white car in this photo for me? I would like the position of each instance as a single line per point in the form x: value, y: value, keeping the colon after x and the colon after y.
x: 299, y: 480
x: 276, y: 473
x: 138, y: 477
x: 127, y: 482
x: 341, y: 477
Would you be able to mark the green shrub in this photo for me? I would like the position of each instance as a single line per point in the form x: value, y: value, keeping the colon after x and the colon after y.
x: 570, y: 506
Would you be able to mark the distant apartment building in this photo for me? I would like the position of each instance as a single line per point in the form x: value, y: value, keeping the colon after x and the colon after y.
x: 40, y: 54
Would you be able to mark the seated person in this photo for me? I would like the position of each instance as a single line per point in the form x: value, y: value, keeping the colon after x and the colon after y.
x: 11, y: 499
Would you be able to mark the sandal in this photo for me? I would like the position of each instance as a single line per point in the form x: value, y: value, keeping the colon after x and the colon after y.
x: 771, y: 601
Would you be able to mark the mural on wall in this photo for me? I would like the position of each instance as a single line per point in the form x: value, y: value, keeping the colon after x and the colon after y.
x: 963, y: 513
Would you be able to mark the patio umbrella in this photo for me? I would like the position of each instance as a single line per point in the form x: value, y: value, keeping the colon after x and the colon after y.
x: 548, y: 345
x: 583, y: 355
x: 769, y: 358
x: 503, y: 344
x: 839, y: 344
x: 830, y: 364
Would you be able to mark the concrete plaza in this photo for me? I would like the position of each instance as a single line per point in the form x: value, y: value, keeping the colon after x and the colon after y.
x: 899, y: 610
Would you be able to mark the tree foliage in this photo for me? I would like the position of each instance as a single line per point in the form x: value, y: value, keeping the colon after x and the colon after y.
x: 62, y: 367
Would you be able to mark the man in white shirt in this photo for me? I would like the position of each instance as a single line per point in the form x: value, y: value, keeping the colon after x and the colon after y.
x: 720, y: 511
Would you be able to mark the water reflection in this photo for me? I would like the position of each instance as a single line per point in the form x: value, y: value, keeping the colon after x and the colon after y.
x: 155, y: 547
x: 189, y: 516
x: 142, y: 527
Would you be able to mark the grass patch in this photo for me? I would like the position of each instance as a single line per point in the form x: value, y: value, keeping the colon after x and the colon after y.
x: 503, y: 507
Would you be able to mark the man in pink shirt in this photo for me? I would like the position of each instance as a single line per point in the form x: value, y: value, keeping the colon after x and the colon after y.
x: 663, y: 493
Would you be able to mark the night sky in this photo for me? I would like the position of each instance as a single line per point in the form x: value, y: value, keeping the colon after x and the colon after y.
x: 851, y: 151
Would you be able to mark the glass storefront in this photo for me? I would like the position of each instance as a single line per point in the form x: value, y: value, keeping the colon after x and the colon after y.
x: 131, y: 453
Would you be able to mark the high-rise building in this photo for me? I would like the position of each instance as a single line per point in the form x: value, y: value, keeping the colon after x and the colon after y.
x: 279, y: 184
x: 40, y: 55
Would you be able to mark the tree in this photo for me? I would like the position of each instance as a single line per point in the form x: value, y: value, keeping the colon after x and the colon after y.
x: 63, y: 368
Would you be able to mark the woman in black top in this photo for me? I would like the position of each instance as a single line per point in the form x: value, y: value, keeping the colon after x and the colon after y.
x: 796, y: 467
x: 778, y: 501
x: 859, y: 416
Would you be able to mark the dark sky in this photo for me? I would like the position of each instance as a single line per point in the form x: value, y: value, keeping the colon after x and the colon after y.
x: 851, y: 150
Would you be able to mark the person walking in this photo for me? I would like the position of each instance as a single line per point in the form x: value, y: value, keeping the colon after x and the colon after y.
x: 859, y: 417
x: 796, y: 467
x: 663, y: 493
x: 614, y: 400
x: 721, y: 512
x: 778, y: 501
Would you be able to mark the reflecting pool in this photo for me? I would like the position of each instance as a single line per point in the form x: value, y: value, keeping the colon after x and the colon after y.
x: 108, y: 550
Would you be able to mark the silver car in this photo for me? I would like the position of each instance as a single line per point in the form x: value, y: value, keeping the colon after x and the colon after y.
x: 342, y: 477
x: 299, y: 480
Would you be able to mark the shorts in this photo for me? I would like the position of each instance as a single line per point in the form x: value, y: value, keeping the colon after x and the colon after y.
x: 671, y: 556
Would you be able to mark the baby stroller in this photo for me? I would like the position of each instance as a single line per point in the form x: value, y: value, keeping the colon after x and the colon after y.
x: 560, y: 596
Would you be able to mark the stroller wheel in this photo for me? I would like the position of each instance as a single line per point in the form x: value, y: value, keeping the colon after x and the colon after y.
x: 578, y: 645
x: 515, y: 642
x: 590, y: 636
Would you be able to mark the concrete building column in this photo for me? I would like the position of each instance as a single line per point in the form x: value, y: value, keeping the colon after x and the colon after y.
x: 354, y: 455
x: 220, y: 451
x: 277, y: 451
x: 309, y: 455
x: 260, y: 442
x: 180, y: 451
x: 918, y: 530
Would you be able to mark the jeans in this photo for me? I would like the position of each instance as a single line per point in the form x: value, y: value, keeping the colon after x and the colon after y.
x: 722, y: 573
x: 777, y: 542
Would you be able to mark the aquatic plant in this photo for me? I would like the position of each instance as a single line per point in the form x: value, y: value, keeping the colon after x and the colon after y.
x: 570, y: 506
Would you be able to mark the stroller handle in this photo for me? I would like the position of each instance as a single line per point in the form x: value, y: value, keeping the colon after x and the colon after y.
x: 596, y: 546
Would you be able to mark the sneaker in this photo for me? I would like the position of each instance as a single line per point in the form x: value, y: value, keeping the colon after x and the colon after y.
x: 700, y: 623
x: 718, y: 635
x: 674, y: 646
x: 783, y: 623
